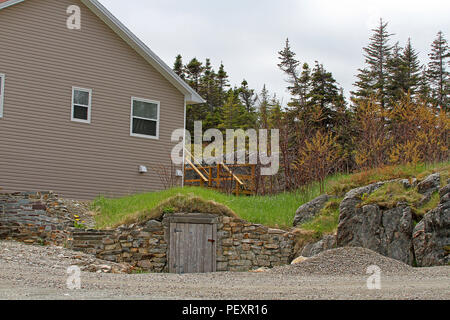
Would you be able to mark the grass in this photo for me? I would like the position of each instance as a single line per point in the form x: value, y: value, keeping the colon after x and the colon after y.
x: 433, y: 203
x: 275, y: 211
x: 327, y: 220
x: 341, y: 186
x: 390, y: 194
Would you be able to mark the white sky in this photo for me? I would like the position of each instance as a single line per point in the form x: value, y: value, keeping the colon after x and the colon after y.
x: 247, y: 34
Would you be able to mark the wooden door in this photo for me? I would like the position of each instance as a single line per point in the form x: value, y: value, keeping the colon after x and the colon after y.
x: 192, y: 248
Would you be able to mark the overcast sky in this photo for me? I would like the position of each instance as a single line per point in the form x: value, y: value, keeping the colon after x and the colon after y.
x: 246, y: 35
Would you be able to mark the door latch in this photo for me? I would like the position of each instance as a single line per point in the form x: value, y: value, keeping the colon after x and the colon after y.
x: 211, y: 240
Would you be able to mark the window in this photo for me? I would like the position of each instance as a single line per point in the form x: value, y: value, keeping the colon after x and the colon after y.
x: 2, y: 93
x: 144, y: 118
x: 81, y: 105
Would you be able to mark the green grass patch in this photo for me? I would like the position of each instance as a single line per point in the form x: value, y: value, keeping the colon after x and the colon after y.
x: 390, y: 194
x: 341, y: 186
x: 430, y: 205
x: 275, y: 211
x: 326, y: 222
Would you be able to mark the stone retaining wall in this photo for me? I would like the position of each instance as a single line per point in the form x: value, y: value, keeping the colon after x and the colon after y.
x: 41, y: 218
x: 34, y: 218
x: 142, y: 245
x: 241, y: 246
x: 245, y: 246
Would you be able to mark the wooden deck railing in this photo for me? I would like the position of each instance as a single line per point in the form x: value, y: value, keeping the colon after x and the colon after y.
x: 221, y: 176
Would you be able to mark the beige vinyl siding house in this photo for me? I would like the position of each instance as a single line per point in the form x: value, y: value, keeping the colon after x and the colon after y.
x: 81, y: 110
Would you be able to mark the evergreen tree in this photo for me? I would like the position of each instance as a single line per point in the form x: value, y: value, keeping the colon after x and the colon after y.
x: 437, y: 74
x: 194, y: 71
x: 396, y: 81
x: 207, y: 85
x: 264, y: 108
x: 304, y: 83
x: 222, y: 81
x: 178, y: 67
x: 424, y: 90
x: 247, y: 96
x: 233, y: 114
x: 365, y: 84
x: 410, y: 59
x: 324, y: 91
x: 372, y: 80
x: 289, y: 65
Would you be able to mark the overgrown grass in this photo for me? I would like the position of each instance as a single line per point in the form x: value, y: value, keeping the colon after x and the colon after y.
x: 275, y: 211
x: 183, y: 203
x: 433, y: 203
x: 390, y: 194
x: 341, y: 186
x: 327, y: 220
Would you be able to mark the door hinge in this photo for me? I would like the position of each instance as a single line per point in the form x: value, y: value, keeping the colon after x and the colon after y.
x: 211, y: 240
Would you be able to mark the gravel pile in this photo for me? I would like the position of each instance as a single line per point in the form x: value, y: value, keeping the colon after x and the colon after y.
x: 52, y: 257
x: 345, y: 261
x: 34, y: 272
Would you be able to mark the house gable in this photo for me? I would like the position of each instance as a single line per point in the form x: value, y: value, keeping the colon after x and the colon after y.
x: 191, y: 97
x: 42, y: 148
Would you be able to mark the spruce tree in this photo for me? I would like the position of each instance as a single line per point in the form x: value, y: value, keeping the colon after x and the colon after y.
x: 396, y: 81
x: 365, y: 84
x: 410, y: 59
x: 437, y: 74
x: 233, y: 114
x: 178, y: 66
x: 247, y: 96
x: 207, y: 85
x: 194, y: 71
x: 372, y: 80
x: 324, y: 91
x: 304, y: 84
x: 289, y: 65
x: 263, y: 108
x: 424, y: 91
x: 222, y: 82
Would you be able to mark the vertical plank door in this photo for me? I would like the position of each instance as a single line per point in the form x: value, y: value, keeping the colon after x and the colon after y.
x: 192, y: 248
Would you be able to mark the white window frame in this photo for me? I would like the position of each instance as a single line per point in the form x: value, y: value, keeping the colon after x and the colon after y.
x: 88, y: 106
x: 157, y: 120
x: 2, y: 94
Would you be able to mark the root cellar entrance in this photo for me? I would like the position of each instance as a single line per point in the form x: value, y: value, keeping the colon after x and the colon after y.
x: 192, y: 244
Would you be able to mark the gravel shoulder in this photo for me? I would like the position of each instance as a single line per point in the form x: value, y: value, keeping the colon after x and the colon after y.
x: 35, y: 272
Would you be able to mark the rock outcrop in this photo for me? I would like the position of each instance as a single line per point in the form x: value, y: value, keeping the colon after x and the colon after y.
x: 430, y: 184
x: 326, y: 243
x: 388, y: 232
x: 432, y: 235
x: 311, y: 209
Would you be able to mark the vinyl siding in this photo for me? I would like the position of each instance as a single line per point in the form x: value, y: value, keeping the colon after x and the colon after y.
x: 41, y: 148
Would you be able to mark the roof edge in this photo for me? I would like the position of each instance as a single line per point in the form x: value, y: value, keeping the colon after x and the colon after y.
x: 120, y: 29
x: 190, y: 95
x: 6, y: 4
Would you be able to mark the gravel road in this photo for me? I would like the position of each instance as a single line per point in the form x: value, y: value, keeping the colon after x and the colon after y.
x: 34, y: 272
